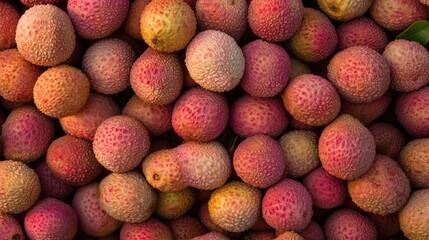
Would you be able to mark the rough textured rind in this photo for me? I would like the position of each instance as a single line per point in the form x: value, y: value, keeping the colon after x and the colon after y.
x: 127, y: 197
x: 61, y: 91
x: 205, y: 166
x: 383, y: 189
x: 349, y: 224
x: 341, y: 10
x: 326, y: 190
x: 408, y: 63
x: 397, y: 15
x: 132, y: 23
x: 162, y: 171
x: 412, y: 112
x: 313, y: 232
x: 168, y: 25
x: 50, y: 218
x: 414, y: 160
x: 300, y: 148
x: 20, y: 187
x: 389, y: 140
x: 346, y: 148
x: 108, y: 65
x: 18, y: 76
x: 229, y: 17
x: 120, y: 143
x: 156, y: 77
x: 426, y: 2
x: 360, y: 74
x: 236, y: 206
x: 361, y: 31
x: 215, y: 61
x: 312, y: 100
x: 186, y: 227
x: 259, y: 161
x: 211, y: 236
x: 94, y: 19
x: 289, y: 235
x: 31, y: 3
x: 10, y: 228
x: 9, y: 16
x: 316, y: 39
x: 287, y: 212
x: 150, y: 229
x: 93, y: 220
x: 414, y: 217
x: 200, y: 115
x: 26, y: 134
x: 84, y: 123
x: 172, y: 205
x: 275, y: 20
x: 72, y: 160
x: 155, y: 118
x: 266, y: 70
x: 252, y: 115
x: 45, y: 35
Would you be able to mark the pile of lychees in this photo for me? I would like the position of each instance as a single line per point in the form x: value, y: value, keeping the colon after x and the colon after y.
x: 214, y: 119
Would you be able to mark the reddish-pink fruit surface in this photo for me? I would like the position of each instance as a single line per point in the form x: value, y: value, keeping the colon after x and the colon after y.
x: 51, y: 185
x: 9, y: 16
x: 186, y: 227
x: 349, y: 224
x: 149, y: 229
x: 10, y: 228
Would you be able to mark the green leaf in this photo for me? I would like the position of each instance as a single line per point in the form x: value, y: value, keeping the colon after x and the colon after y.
x: 418, y: 32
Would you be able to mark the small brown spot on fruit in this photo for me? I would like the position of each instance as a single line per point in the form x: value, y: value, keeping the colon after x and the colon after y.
x: 155, y: 41
x: 156, y: 177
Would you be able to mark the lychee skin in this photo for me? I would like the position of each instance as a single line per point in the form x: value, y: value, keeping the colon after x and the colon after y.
x: 186, y: 227
x: 414, y: 216
x: 10, y: 227
x: 51, y: 219
x: 349, y: 224
x: 413, y: 158
x: 389, y: 140
x: 10, y: 18
x: 149, y: 229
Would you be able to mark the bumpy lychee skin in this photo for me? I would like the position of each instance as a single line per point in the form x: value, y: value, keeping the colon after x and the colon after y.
x: 205, y: 166
x: 300, y: 148
x: 51, y: 218
x: 31, y: 3
x: 200, y: 115
x: 236, y: 206
x: 168, y: 25
x: 313, y: 232
x: 26, y: 134
x: 253, y: 115
x: 408, y: 62
x: 84, y: 123
x: 426, y: 2
x: 156, y: 77
x: 360, y: 74
x: 127, y: 197
x: 259, y: 161
x: 120, y: 143
x: 73, y: 160
x: 349, y: 224
x: 206, y: 220
x: 383, y: 189
x: 316, y: 39
x: 346, y: 148
x: 61, y: 91
x: 10, y: 18
x: 186, y: 227
x: 211, y: 235
x: 361, y: 31
x: 229, y: 17
x: 414, y: 216
x: 94, y: 19
x: 51, y: 185
x: 267, y: 69
x: 10, y: 228
x: 108, y: 65
x: 163, y: 171
x: 344, y: 10
x: 45, y: 35
x: 93, y: 220
x: 312, y: 100
x: 389, y: 140
x: 155, y: 118
x: 397, y: 15
x: 20, y: 187
x: 287, y: 212
x: 149, y: 229
x: 275, y: 21
x: 215, y: 61
x: 289, y: 235
x: 326, y: 190
x: 412, y: 112
x: 172, y: 205
x: 414, y: 158
x: 18, y: 76
x: 132, y: 23
x: 366, y: 113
